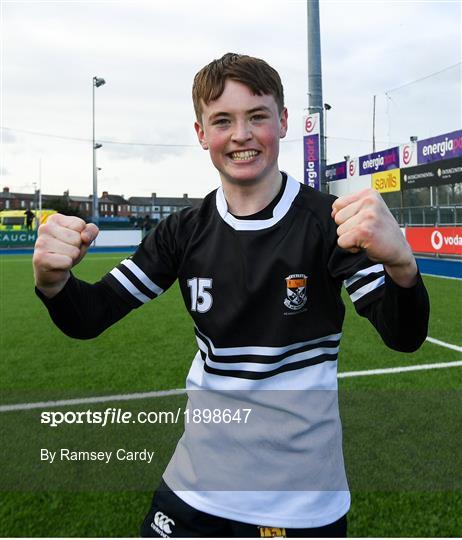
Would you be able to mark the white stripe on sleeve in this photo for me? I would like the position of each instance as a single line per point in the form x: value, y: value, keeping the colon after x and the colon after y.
x: 136, y: 270
x: 363, y: 273
x: 367, y: 288
x: 127, y: 284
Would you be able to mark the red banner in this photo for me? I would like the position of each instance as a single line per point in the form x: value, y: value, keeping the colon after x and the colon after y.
x: 444, y: 240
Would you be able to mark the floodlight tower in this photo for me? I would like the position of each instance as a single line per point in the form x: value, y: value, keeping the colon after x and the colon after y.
x: 97, y: 82
x: 315, y: 101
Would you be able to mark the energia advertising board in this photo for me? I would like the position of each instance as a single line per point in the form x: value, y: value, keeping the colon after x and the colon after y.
x: 336, y: 171
x: 446, y: 146
x: 384, y: 160
x: 311, y: 148
x: 408, y: 155
x: 431, y: 162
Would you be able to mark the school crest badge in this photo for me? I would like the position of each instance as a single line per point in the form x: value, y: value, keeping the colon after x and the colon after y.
x: 296, y: 291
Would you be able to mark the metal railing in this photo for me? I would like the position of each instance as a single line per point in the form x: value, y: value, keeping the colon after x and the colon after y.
x: 428, y: 215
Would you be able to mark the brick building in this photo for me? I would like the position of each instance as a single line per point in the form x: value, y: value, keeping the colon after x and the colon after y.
x: 109, y: 205
x: 158, y: 208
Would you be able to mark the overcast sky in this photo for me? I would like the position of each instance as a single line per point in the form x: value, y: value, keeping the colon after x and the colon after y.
x: 149, y: 51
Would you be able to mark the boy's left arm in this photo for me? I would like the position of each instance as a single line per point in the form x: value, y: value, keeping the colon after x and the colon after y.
x: 365, y: 223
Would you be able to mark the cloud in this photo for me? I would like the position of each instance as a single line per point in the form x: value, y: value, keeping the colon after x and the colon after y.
x: 148, y: 153
x: 7, y: 136
x: 148, y: 53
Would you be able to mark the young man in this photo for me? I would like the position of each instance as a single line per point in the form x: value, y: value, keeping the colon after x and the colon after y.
x: 260, y: 266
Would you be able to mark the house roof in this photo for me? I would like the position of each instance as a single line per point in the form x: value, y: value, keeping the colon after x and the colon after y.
x: 14, y: 195
x: 165, y: 201
x: 140, y: 200
x: 79, y: 199
x: 117, y: 199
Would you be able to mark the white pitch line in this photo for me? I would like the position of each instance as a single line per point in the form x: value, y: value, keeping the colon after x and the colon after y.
x: 95, y: 399
x: 179, y: 391
x: 399, y: 369
x: 444, y: 344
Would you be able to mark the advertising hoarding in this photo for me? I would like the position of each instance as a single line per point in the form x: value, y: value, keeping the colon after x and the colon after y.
x: 446, y: 146
x: 311, y: 124
x: 353, y: 168
x: 387, y: 181
x: 384, y: 160
x: 22, y: 238
x: 311, y: 148
x: 436, y: 173
x: 407, y: 155
x: 443, y: 240
x: 336, y: 171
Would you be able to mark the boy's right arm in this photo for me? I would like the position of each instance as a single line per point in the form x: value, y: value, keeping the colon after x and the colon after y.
x: 61, y: 244
x: 81, y: 310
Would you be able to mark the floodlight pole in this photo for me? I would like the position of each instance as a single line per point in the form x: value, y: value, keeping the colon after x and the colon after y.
x: 97, y: 82
x: 315, y: 79
x: 326, y: 108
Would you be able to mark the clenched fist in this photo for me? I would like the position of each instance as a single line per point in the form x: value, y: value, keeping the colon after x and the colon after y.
x: 61, y: 244
x: 364, y: 222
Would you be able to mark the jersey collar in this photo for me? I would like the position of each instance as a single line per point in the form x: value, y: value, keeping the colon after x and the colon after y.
x: 280, y: 210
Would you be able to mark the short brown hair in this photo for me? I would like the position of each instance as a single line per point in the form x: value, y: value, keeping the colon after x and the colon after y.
x: 255, y: 73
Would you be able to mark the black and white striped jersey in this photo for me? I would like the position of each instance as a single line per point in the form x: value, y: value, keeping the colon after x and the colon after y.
x: 265, y: 298
x: 264, y: 295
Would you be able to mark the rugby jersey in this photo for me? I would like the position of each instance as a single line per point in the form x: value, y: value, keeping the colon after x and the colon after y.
x: 264, y: 296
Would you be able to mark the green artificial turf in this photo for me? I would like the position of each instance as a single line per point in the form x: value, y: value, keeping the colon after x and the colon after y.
x: 401, y: 431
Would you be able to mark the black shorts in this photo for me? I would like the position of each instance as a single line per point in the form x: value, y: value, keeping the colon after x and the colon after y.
x: 171, y: 517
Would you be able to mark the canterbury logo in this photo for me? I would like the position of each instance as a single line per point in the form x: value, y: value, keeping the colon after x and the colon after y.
x: 162, y: 523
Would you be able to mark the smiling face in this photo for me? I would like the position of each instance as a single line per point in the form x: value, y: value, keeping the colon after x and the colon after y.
x: 241, y: 130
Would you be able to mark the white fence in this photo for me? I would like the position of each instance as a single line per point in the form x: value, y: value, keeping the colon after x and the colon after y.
x: 118, y: 238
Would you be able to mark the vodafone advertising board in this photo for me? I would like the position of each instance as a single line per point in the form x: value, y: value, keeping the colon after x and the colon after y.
x: 443, y: 240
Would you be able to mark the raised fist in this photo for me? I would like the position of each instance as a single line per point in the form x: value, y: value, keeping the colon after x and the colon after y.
x: 364, y: 222
x: 61, y: 244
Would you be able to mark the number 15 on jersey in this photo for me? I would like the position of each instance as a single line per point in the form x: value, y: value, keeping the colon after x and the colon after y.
x: 201, y: 299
